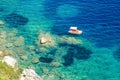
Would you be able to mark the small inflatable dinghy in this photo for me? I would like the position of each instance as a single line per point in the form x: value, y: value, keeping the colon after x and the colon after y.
x: 74, y: 30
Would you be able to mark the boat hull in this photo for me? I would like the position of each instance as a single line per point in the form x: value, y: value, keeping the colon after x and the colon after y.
x: 75, y: 32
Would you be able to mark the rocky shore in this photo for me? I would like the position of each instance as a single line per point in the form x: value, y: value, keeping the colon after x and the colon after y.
x: 26, y: 74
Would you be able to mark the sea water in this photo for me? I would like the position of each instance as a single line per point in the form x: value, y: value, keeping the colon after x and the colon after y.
x: 96, y: 58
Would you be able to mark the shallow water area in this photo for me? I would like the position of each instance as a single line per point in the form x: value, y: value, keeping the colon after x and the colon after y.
x: 36, y: 34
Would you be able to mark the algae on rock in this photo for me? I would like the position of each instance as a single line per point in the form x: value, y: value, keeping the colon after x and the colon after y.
x: 8, y: 73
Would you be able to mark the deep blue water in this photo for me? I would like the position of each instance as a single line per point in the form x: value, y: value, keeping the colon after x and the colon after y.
x: 99, y: 20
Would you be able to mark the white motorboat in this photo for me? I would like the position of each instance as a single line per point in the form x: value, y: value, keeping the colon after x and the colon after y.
x: 74, y: 30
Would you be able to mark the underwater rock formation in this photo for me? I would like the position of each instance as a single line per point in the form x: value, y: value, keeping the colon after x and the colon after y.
x: 45, y: 60
x: 2, y: 37
x: 55, y: 64
x: 75, y: 51
x: 70, y: 40
x: 24, y: 57
x: 45, y: 39
x: 68, y: 58
x: 8, y: 6
x: 15, y: 20
x: 81, y: 52
x: 35, y: 60
x: 78, y: 51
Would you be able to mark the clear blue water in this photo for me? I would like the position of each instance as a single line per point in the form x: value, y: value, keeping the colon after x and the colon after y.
x: 99, y: 20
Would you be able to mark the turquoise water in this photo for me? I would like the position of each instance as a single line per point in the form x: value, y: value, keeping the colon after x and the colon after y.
x: 93, y: 55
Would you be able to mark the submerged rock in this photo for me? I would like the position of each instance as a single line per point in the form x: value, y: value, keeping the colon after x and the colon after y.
x: 29, y: 74
x: 75, y: 51
x: 3, y: 36
x: 35, y: 60
x: 68, y: 58
x: 55, y: 64
x: 16, y: 20
x: 23, y: 57
x: 19, y: 41
x: 45, y: 70
x: 45, y: 60
x: 44, y: 40
x: 5, y: 52
x: 82, y: 53
x: 79, y: 52
x: 50, y: 77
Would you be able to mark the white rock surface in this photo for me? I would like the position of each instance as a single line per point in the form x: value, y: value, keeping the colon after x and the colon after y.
x: 29, y: 74
x: 10, y: 61
x: 44, y: 40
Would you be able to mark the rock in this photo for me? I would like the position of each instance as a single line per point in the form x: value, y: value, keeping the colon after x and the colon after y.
x: 49, y: 77
x: 8, y: 45
x: 56, y: 64
x: 3, y: 35
x: 29, y: 74
x: 31, y: 47
x: 44, y: 40
x: 19, y: 41
x: 5, y: 52
x: 70, y: 40
x: 2, y: 41
x: 35, y: 60
x: 23, y: 57
x: 10, y: 61
x: 45, y: 70
x: 62, y: 76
